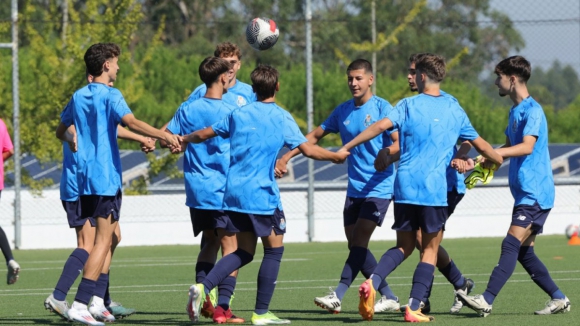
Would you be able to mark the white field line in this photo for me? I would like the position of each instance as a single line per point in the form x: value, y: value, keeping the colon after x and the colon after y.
x: 148, y: 288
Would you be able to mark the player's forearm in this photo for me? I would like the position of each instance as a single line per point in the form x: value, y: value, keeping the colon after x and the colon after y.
x: 199, y: 136
x: 143, y: 128
x: 463, y: 150
x: 6, y: 155
x: 371, y: 132
x: 317, y: 153
x: 515, y: 151
x: 129, y: 135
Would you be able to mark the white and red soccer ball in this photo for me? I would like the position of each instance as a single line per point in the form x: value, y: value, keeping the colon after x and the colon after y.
x: 262, y: 33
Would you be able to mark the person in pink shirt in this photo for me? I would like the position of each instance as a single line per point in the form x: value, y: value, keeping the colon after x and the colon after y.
x: 7, y: 152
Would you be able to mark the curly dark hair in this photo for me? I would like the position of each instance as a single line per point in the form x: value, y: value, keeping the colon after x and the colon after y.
x: 97, y: 54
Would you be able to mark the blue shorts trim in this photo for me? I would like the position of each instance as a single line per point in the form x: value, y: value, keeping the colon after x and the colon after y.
x: 74, y: 216
x: 429, y: 219
x: 371, y: 208
x: 260, y: 225
x: 453, y: 198
x: 208, y: 220
x: 101, y: 206
x: 524, y: 215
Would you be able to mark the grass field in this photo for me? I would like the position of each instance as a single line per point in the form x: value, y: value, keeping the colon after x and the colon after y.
x: 155, y: 281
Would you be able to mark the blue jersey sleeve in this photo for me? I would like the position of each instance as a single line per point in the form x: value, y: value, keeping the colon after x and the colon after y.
x: 222, y: 128
x: 467, y: 131
x: 533, y: 121
x: 293, y: 137
x: 66, y: 116
x: 331, y: 123
x: 176, y: 122
x: 197, y: 93
x: 119, y: 106
x: 397, y: 115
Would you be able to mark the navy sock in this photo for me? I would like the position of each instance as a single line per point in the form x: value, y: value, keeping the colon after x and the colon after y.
x: 538, y: 271
x: 510, y: 248
x: 422, y: 281
x: 101, y: 286
x: 267, y: 278
x: 201, y: 270
x: 453, y: 275
x: 354, y: 262
x: 388, y: 263
x: 107, y: 299
x: 226, y: 289
x: 367, y: 270
x: 85, y: 291
x: 225, y: 267
x: 5, y: 246
x: 72, y: 269
x: 428, y: 293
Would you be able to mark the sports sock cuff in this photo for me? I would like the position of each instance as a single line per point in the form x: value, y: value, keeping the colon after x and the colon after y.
x: 274, y: 253
x: 80, y: 254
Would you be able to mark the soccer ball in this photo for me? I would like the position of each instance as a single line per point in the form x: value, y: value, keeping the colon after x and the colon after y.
x: 262, y: 33
x: 571, y: 229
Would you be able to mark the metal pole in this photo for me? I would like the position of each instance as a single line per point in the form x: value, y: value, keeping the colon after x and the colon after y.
x: 374, y: 36
x: 310, y: 118
x: 16, y: 123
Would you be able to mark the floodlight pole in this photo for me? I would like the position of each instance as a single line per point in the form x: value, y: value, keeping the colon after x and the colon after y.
x: 310, y: 118
x: 15, y: 122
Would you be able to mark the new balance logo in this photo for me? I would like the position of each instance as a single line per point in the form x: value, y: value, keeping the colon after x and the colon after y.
x: 377, y: 213
x: 521, y: 218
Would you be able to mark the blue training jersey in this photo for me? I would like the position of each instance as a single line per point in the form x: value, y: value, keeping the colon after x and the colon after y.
x: 530, y: 177
x: 257, y: 132
x: 69, y: 190
x: 205, y: 165
x: 455, y: 180
x: 349, y: 120
x: 96, y: 110
x: 238, y: 95
x: 429, y: 127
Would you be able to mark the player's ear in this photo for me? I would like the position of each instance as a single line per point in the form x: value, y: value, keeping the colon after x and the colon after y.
x: 106, y: 65
x: 277, y: 86
x: 371, y: 79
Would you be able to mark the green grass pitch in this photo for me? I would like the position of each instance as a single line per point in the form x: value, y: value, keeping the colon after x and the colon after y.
x: 155, y: 281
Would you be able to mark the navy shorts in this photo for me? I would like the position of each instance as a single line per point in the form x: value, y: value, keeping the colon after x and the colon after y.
x: 524, y: 215
x: 429, y: 219
x: 371, y: 208
x: 101, y: 206
x: 260, y: 225
x: 453, y: 198
x: 73, y: 214
x: 209, y: 219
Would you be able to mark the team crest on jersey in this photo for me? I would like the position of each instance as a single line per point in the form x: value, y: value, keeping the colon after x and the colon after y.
x: 241, y: 101
x: 282, y: 224
x: 368, y: 120
x: 515, y: 126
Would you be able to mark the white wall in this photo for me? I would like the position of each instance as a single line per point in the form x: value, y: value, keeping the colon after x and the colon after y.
x: 164, y: 219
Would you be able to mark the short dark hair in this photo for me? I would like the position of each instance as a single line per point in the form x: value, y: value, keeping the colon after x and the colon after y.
x: 359, y: 64
x: 97, y: 54
x: 515, y: 66
x: 211, y: 68
x: 264, y: 80
x: 432, y: 65
x: 227, y: 49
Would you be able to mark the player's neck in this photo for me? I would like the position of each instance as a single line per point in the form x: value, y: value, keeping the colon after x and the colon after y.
x: 267, y: 100
x: 432, y: 89
x: 360, y: 101
x: 102, y: 79
x: 232, y: 82
x: 214, y: 92
x: 519, y: 94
